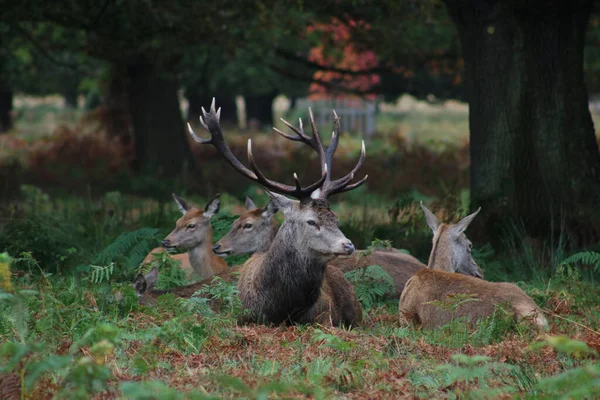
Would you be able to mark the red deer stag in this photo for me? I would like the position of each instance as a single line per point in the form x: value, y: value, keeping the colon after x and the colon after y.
x: 450, y: 253
x: 291, y: 282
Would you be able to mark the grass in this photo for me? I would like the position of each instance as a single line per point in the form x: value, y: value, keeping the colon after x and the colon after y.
x: 70, y: 335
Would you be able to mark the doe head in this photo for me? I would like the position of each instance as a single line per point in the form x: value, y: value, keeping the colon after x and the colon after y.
x: 193, y: 228
x: 451, y: 240
x: 250, y: 231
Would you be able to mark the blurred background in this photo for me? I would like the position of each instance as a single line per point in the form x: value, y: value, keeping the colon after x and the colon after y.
x: 94, y: 97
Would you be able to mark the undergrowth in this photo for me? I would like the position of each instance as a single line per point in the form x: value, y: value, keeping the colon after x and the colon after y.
x: 71, y: 325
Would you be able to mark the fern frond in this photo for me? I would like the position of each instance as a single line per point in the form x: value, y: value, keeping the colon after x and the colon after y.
x: 371, y: 284
x: 583, y: 258
x: 101, y: 274
x: 125, y: 243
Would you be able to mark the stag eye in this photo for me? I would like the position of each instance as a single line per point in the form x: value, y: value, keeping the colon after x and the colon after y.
x: 247, y: 226
x: 191, y: 226
x: 311, y: 222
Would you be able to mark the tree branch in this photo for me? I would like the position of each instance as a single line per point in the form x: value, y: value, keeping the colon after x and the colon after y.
x: 293, y: 57
x: 41, y: 48
x: 327, y: 85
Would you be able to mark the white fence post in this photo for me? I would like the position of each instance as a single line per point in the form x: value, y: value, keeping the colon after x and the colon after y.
x: 357, y: 116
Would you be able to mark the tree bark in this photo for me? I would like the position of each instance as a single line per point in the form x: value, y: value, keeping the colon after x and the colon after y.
x: 534, y: 155
x: 6, y: 106
x: 116, y: 100
x: 260, y: 108
x: 161, y: 144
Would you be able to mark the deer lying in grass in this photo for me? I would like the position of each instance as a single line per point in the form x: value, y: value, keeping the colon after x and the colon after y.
x: 451, y: 252
x: 254, y: 231
x: 193, y: 233
x: 291, y: 282
x: 147, y: 295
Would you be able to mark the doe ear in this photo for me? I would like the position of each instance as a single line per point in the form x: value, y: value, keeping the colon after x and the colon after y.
x: 181, y: 204
x: 250, y: 204
x: 281, y: 202
x: 464, y: 223
x: 213, y: 206
x: 270, y: 209
x: 431, y: 219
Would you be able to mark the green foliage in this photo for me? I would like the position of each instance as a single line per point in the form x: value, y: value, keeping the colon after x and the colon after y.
x: 332, y: 341
x: 371, y: 284
x: 567, y: 266
x: 102, y: 274
x: 151, y: 390
x: 471, y: 369
x: 223, y: 294
x: 128, y: 250
x: 170, y: 273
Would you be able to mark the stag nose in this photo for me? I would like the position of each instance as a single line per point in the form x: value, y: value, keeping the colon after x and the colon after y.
x: 348, y: 247
x: 216, y: 247
x: 166, y: 243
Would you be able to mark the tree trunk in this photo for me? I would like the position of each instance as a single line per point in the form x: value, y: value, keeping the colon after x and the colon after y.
x: 116, y: 100
x: 260, y: 108
x: 71, y: 99
x: 534, y: 155
x: 6, y: 106
x: 161, y: 143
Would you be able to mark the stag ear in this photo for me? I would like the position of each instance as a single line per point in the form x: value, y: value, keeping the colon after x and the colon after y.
x: 464, y: 223
x: 250, y: 204
x: 431, y: 219
x: 181, y: 204
x: 316, y: 193
x: 270, y: 209
x: 282, y: 202
x: 213, y: 206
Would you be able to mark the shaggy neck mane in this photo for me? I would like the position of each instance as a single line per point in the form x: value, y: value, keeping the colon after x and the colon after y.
x: 290, y: 276
x: 266, y: 244
x: 440, y: 257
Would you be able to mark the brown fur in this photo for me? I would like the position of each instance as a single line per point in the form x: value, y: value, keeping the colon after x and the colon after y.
x: 291, y: 282
x: 451, y: 251
x: 433, y: 285
x: 199, y: 262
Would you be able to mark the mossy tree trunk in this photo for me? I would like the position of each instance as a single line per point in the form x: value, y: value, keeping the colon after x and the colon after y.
x: 534, y: 155
x: 161, y: 144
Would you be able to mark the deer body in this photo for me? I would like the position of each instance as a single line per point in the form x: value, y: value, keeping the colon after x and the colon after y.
x: 451, y: 252
x: 291, y: 282
x: 193, y: 233
x: 254, y: 231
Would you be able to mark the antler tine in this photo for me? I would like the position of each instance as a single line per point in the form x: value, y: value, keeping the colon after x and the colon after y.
x: 296, y: 191
x: 343, y: 184
x: 335, y: 138
x: 301, y: 136
x: 210, y: 122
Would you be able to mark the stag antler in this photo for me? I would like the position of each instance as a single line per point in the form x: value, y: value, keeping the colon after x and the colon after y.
x: 210, y: 122
x: 329, y: 187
